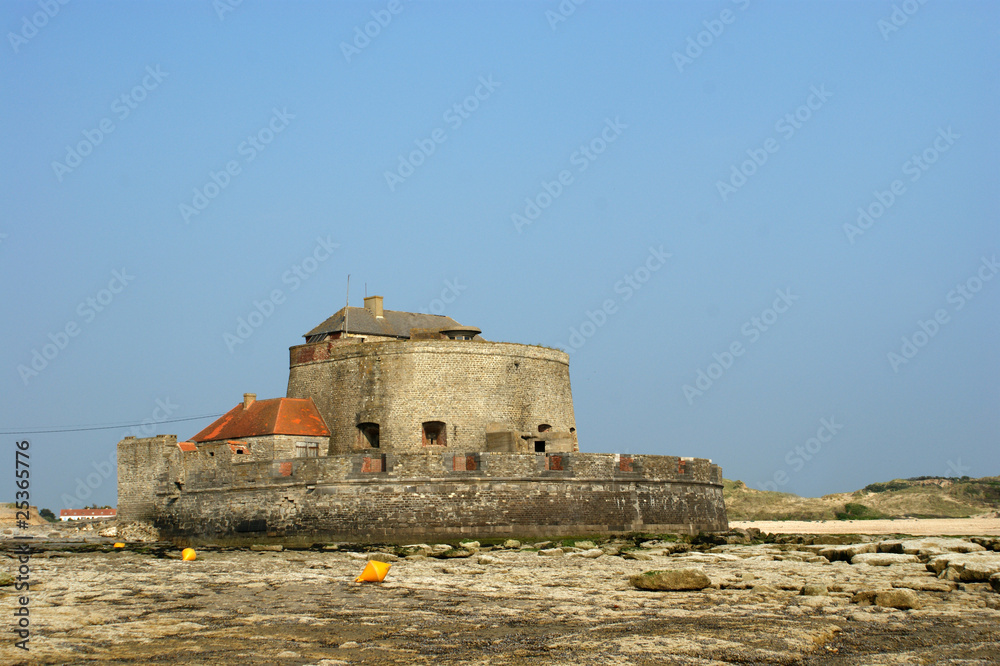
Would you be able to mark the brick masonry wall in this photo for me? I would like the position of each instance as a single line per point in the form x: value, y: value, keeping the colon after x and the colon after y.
x: 401, y: 384
x: 216, y: 496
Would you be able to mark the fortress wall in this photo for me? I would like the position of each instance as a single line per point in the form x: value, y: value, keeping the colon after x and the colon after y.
x: 399, y: 512
x: 421, y: 497
x: 215, y: 466
x: 142, y: 471
x: 400, y: 384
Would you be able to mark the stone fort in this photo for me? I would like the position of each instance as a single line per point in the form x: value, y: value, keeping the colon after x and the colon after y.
x: 402, y: 427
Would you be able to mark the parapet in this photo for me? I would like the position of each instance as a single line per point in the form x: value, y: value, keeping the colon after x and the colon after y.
x: 217, y: 494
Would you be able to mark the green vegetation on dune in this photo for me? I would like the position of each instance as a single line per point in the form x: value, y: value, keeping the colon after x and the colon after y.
x: 745, y: 503
x: 855, y: 511
x: 920, y: 497
x: 883, y: 487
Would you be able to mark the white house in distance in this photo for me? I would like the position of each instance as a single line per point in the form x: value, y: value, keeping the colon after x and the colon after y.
x: 87, y: 514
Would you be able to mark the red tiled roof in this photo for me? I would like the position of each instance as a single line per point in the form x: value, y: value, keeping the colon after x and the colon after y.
x: 87, y: 512
x: 277, y: 416
x: 187, y: 446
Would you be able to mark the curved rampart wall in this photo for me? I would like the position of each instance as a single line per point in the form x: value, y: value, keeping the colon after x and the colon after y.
x: 467, y: 384
x: 200, y: 497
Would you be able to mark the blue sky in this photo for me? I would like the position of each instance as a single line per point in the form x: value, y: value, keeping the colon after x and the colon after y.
x: 670, y: 191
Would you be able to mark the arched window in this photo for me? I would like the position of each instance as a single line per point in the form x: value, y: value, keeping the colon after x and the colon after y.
x: 368, y: 435
x: 434, y: 433
x: 545, y: 427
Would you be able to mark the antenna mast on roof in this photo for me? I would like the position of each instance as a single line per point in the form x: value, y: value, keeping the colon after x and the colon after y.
x: 347, y: 304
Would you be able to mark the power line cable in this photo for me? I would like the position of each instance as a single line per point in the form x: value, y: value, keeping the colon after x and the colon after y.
x: 32, y: 431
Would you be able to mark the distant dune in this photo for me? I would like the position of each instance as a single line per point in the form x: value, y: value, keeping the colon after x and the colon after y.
x: 8, y: 516
x: 921, y: 497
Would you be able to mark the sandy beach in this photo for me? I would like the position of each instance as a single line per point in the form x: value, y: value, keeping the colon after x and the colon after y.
x: 914, y: 526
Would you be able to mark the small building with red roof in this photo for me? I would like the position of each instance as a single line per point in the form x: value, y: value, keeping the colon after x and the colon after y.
x: 268, y: 429
x: 87, y: 514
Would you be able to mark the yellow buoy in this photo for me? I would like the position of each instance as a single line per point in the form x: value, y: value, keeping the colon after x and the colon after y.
x: 374, y: 572
x: 119, y: 545
x: 188, y: 554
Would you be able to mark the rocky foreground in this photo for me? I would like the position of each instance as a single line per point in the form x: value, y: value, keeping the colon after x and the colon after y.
x: 723, y: 599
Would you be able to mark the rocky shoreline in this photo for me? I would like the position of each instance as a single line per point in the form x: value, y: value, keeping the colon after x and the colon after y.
x: 740, y: 597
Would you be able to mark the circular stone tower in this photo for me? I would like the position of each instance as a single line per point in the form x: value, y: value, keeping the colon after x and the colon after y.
x: 433, y: 386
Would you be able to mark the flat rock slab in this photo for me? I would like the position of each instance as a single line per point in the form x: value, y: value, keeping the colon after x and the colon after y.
x: 884, y: 559
x: 591, y: 553
x: 705, y: 557
x: 932, y: 546
x: 926, y: 584
x: 899, y: 598
x: 966, y: 567
x: 671, y: 580
x: 846, y: 552
x: 989, y: 543
x: 381, y: 557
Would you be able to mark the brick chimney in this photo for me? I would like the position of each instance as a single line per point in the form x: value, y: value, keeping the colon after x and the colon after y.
x: 249, y: 399
x: 374, y: 305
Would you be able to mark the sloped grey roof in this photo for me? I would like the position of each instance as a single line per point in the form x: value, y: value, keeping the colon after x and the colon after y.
x: 393, y: 323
